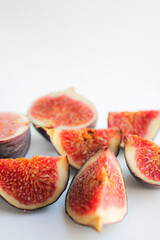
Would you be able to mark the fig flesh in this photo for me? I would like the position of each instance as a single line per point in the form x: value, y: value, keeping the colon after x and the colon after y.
x: 142, y: 123
x: 65, y: 109
x: 81, y: 144
x: 97, y: 194
x: 143, y: 159
x: 15, y: 135
x: 33, y: 183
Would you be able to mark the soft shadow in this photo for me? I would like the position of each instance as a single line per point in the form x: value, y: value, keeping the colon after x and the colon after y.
x: 40, y: 146
x: 84, y: 230
x: 73, y: 171
x: 8, y: 208
x: 75, y: 227
x: 131, y: 182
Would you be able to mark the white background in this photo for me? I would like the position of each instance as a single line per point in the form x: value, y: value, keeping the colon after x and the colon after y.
x: 110, y: 52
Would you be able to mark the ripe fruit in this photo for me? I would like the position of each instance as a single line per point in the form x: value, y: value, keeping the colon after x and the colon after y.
x: 143, y: 159
x: 97, y: 195
x: 14, y: 135
x: 33, y: 183
x: 81, y: 144
x: 142, y: 123
x: 64, y: 109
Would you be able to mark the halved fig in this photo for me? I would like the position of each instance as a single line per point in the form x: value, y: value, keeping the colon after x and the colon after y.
x: 33, y: 183
x: 81, y: 144
x: 14, y: 135
x: 143, y: 159
x: 97, y: 194
x: 142, y: 123
x: 65, y: 109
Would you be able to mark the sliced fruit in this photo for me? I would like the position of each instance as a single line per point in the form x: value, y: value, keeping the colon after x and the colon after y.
x: 143, y: 159
x: 65, y: 109
x: 33, y: 183
x: 97, y: 194
x: 142, y: 123
x: 81, y: 144
x: 14, y: 135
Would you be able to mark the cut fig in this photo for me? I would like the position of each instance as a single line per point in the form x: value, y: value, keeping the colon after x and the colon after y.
x: 142, y: 123
x: 81, y: 144
x: 15, y: 135
x: 33, y: 183
x: 97, y: 194
x: 64, y: 109
x: 143, y: 159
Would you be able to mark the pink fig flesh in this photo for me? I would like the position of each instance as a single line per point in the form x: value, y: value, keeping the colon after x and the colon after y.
x: 81, y: 144
x: 97, y: 194
x: 142, y: 123
x: 143, y: 159
x: 33, y: 183
x: 65, y: 109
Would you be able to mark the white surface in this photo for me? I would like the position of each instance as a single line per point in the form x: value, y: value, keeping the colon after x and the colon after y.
x: 109, y: 51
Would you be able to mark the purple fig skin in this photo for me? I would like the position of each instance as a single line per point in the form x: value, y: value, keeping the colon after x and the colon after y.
x: 42, y: 132
x: 144, y: 183
x: 17, y: 146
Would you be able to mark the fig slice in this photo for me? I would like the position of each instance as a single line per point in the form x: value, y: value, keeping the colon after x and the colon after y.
x: 64, y: 109
x: 33, y: 183
x: 97, y: 193
x: 15, y: 135
x: 143, y: 159
x: 142, y: 123
x: 81, y: 144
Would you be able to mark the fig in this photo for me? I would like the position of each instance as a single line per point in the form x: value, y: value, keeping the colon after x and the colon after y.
x: 81, y: 144
x: 142, y: 123
x: 143, y: 159
x: 65, y: 109
x: 15, y: 135
x: 97, y: 193
x: 33, y: 183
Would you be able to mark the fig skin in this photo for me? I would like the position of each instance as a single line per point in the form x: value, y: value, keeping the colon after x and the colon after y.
x: 143, y: 182
x: 39, y: 124
x: 56, y: 195
x: 42, y: 132
x: 99, y: 221
x: 18, y: 145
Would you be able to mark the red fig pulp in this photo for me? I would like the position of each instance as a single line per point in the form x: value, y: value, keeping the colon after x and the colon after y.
x: 64, y: 109
x: 143, y: 159
x: 33, y: 183
x: 81, y: 144
x: 142, y: 123
x: 97, y: 195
